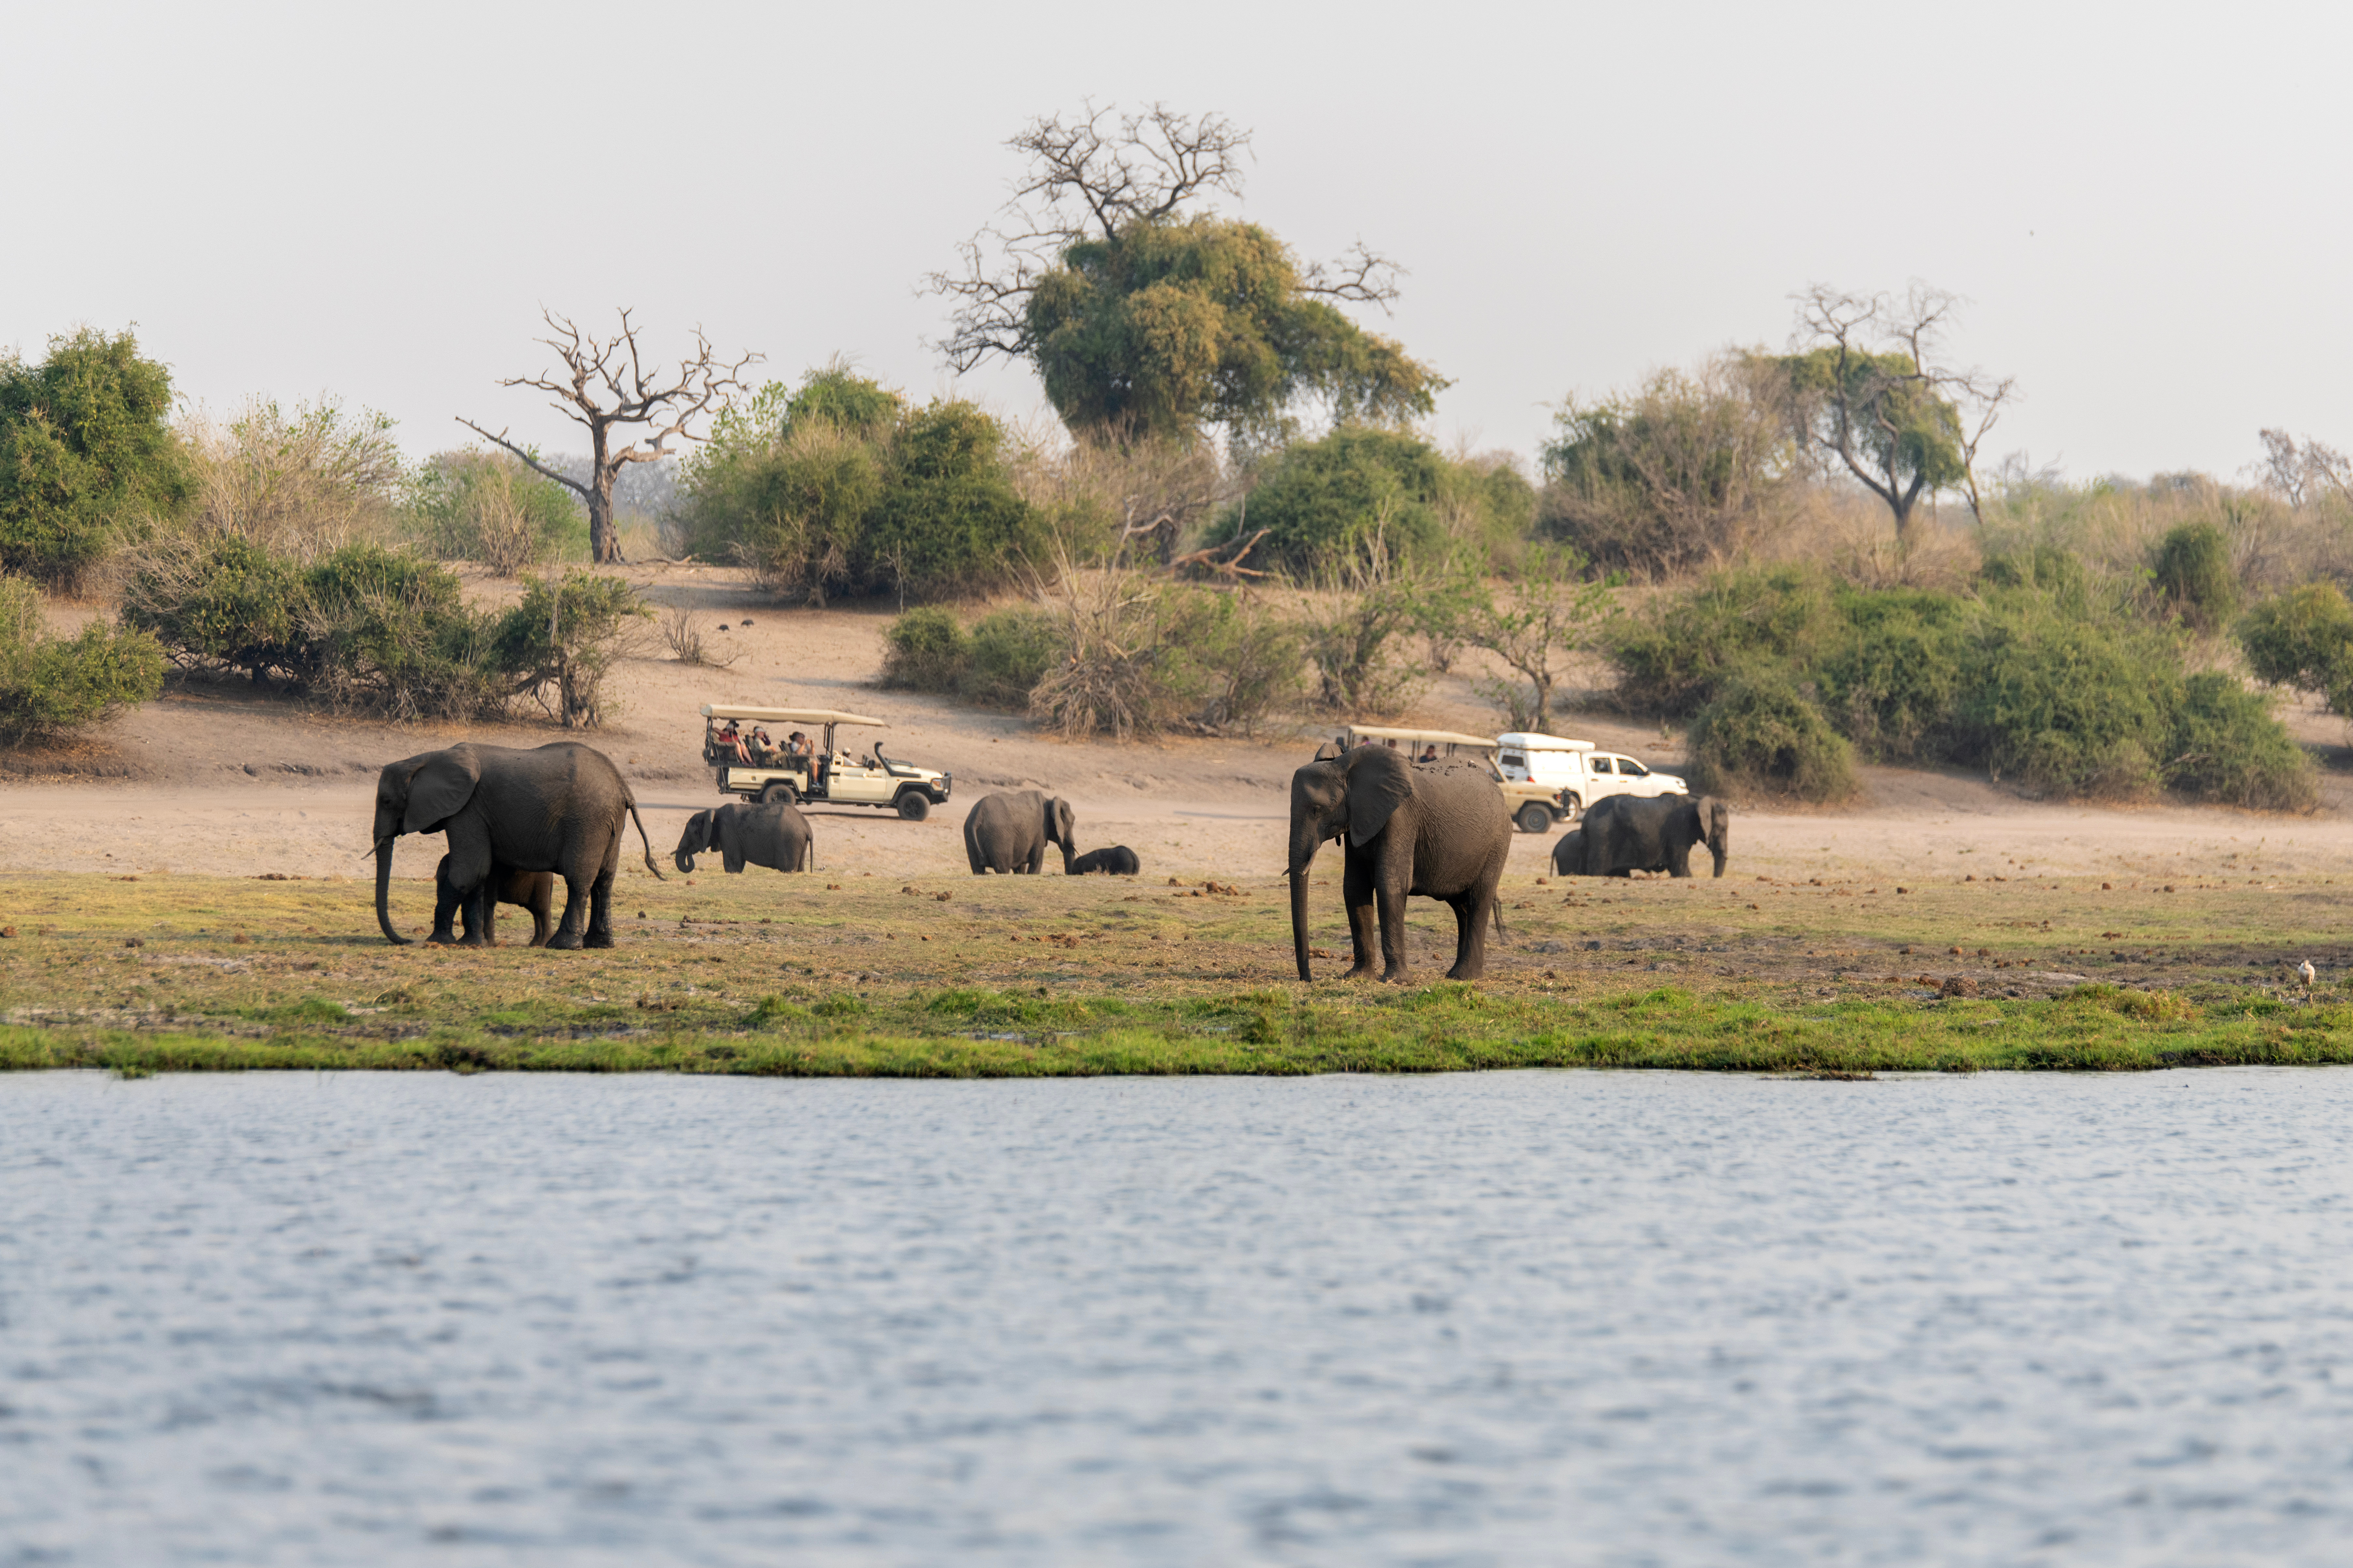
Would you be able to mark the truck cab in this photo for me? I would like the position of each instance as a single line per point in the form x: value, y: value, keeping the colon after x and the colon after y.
x: 1579, y: 772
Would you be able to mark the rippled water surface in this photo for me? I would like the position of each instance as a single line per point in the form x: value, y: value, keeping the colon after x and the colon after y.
x: 1510, y: 1318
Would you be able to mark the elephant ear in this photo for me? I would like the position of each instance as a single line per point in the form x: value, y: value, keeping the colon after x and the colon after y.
x: 1064, y: 828
x: 441, y: 788
x: 1377, y: 784
x: 1712, y: 818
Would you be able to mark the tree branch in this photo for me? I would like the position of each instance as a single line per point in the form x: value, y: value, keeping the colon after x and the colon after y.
x: 574, y: 485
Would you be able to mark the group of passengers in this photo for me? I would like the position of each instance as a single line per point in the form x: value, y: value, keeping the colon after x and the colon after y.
x: 1340, y: 743
x: 756, y: 749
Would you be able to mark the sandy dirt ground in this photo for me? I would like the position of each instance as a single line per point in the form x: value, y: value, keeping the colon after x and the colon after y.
x: 218, y: 780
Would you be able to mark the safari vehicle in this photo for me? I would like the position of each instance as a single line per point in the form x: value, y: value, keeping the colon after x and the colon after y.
x: 826, y: 775
x: 1533, y: 806
x: 1576, y: 772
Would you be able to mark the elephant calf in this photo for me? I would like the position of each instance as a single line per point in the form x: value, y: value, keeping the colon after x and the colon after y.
x: 776, y: 836
x: 1621, y: 834
x: 531, y: 890
x: 1118, y: 860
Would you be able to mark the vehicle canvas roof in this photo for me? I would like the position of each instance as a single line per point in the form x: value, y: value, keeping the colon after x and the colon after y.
x: 1528, y: 740
x: 1430, y: 737
x: 790, y: 715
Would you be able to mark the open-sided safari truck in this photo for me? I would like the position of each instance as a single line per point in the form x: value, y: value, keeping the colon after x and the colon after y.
x: 824, y: 772
x: 1533, y: 806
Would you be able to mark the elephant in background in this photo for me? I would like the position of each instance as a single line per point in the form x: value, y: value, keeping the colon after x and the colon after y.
x: 1008, y: 834
x: 562, y: 807
x: 1436, y: 831
x: 1118, y: 860
x: 776, y: 836
x: 1619, y: 834
x: 531, y: 890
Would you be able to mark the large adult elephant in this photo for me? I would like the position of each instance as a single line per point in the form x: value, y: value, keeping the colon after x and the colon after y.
x: 776, y: 836
x: 1436, y: 831
x: 1621, y: 834
x: 559, y: 807
x: 1008, y: 834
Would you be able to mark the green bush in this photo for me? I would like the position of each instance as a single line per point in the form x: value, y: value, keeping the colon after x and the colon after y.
x: 1671, y: 658
x: 51, y: 686
x: 2304, y: 640
x: 1011, y: 649
x: 1759, y: 735
x: 228, y: 602
x: 926, y: 649
x: 86, y: 454
x: 489, y: 508
x: 2227, y: 747
x: 2193, y: 571
x: 839, y: 487
x: 1322, y: 501
x: 1891, y: 671
x: 558, y: 645
x: 2065, y: 705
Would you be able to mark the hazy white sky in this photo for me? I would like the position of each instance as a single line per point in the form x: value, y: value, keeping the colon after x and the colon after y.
x: 2142, y: 203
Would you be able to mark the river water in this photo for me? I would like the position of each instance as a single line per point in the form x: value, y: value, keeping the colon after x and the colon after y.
x: 1508, y: 1318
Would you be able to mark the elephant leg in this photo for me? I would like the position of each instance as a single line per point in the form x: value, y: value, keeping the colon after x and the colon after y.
x: 469, y: 873
x: 576, y: 914
x: 1678, y: 860
x: 541, y: 903
x: 600, y: 909
x: 1357, y: 895
x: 1470, y: 923
x: 1037, y: 861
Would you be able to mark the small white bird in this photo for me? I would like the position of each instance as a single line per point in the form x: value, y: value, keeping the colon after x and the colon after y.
x: 2304, y: 972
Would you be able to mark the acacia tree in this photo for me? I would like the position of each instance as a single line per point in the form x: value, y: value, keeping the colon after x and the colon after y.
x: 1546, y: 613
x: 1148, y: 317
x: 1869, y: 386
x: 605, y: 385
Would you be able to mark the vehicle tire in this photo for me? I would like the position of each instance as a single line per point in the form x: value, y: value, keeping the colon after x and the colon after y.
x: 1534, y: 818
x: 777, y: 792
x: 913, y: 805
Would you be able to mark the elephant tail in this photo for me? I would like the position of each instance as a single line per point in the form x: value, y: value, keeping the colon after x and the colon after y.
x: 1497, y: 908
x: 647, y: 842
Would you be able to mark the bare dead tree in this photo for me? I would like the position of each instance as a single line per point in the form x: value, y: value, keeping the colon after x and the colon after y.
x: 604, y: 384
x: 2301, y: 475
x: 1088, y: 178
x: 1872, y: 416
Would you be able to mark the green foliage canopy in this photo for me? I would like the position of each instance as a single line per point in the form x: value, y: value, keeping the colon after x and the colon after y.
x: 86, y: 453
x: 52, y: 686
x: 1165, y: 327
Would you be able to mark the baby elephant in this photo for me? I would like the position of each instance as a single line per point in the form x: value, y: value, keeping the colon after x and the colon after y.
x: 532, y: 891
x: 1118, y: 860
x: 776, y: 837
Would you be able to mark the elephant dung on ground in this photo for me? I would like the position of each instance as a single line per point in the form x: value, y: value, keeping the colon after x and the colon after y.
x: 562, y: 807
x: 1436, y: 831
x: 1118, y: 860
x: 1620, y: 835
x: 531, y: 890
x: 776, y: 836
x: 1008, y: 833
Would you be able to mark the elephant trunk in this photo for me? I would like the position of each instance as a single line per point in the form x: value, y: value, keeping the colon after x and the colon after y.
x: 683, y: 861
x: 1719, y: 837
x: 384, y: 891
x: 1299, y: 921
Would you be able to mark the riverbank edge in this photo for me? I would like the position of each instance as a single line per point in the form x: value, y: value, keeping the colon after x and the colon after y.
x: 2093, y: 1028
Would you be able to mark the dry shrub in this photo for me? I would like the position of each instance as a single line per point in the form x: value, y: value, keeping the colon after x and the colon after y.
x: 682, y: 629
x: 302, y: 484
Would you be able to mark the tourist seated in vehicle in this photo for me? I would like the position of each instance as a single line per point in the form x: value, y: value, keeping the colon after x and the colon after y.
x: 765, y: 751
x: 1429, y: 754
x: 724, y: 741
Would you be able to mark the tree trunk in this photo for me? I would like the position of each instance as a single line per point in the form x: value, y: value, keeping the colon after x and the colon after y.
x: 604, y: 539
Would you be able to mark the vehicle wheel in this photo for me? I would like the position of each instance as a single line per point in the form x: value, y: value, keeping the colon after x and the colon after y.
x: 913, y: 807
x: 1534, y: 818
x: 1576, y: 807
x: 776, y: 791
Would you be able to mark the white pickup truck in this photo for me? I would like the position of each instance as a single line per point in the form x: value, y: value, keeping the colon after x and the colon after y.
x: 1577, y: 772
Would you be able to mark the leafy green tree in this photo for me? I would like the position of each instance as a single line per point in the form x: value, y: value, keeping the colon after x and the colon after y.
x: 1148, y: 319
x: 1891, y: 415
x: 1322, y: 501
x: 86, y: 453
x: 949, y: 515
x: 1545, y: 611
x: 52, y: 686
x: 2304, y: 640
x: 2193, y: 571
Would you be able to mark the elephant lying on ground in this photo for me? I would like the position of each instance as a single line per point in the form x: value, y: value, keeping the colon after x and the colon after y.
x: 1118, y: 860
x: 560, y: 807
x: 1008, y: 834
x: 776, y: 836
x: 1438, y: 831
x: 1619, y: 834
x: 531, y: 890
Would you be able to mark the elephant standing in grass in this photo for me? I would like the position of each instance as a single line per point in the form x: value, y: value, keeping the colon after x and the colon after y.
x: 1619, y: 834
x: 1008, y: 834
x: 776, y: 836
x: 1437, y: 831
x: 531, y: 890
x: 562, y: 807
